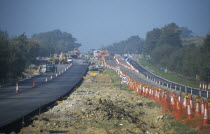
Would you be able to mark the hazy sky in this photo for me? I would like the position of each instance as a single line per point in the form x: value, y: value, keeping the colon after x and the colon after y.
x: 97, y: 23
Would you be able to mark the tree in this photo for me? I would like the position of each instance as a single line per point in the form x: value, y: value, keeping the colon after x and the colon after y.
x: 33, y: 46
x: 16, y: 54
x: 170, y: 35
x: 205, y: 58
x: 185, y: 32
x: 55, y: 42
x: 19, y: 58
x: 151, y: 40
x: 4, y: 55
x: 162, y: 43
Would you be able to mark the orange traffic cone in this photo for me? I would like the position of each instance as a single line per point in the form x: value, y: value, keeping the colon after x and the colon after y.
x: 179, y: 100
x: 173, y: 101
x: 159, y: 95
x: 202, y: 106
x: 189, y: 111
x: 166, y: 96
x: 197, y: 108
x: 185, y: 103
x: 191, y: 103
x: 205, y: 116
x: 137, y: 89
x: 147, y: 91
x: 143, y: 91
x: 17, y: 88
x: 152, y: 93
x: 178, y: 105
x: 34, y: 84
x: 140, y: 87
x: 177, y: 113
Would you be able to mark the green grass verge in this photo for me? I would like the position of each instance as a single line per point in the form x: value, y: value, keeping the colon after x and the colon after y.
x: 115, y: 78
x: 179, y: 128
x: 171, y: 77
x: 182, y: 128
x: 113, y: 75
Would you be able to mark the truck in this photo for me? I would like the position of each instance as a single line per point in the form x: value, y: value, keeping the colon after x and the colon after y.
x: 69, y: 59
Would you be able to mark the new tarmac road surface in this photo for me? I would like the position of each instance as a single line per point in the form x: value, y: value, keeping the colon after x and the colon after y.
x: 14, y: 106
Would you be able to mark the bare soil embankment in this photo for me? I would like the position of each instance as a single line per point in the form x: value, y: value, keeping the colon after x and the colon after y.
x: 102, y: 106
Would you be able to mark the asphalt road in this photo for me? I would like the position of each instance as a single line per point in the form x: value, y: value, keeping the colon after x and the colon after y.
x: 14, y: 106
x: 135, y: 76
x: 27, y: 83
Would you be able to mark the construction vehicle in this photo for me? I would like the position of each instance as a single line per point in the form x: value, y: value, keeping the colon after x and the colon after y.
x: 53, y: 59
x: 74, y: 54
x: 63, y: 58
x: 69, y: 59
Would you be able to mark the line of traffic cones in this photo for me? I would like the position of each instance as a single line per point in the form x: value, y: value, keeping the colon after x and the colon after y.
x: 46, y: 80
x: 170, y: 102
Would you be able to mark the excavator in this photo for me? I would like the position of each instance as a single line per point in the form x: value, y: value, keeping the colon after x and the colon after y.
x: 63, y: 58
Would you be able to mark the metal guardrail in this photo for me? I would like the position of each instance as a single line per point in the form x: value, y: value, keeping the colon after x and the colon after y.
x: 169, y: 84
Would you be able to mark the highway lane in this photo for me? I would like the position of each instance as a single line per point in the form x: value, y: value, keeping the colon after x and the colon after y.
x: 135, y: 76
x: 15, y: 106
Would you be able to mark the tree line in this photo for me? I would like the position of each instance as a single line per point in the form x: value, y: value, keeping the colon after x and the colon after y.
x: 166, y: 49
x: 18, y: 53
x: 133, y: 44
x: 163, y: 47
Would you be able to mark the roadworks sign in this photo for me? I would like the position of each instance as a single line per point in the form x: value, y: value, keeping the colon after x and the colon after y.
x: 124, y: 79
